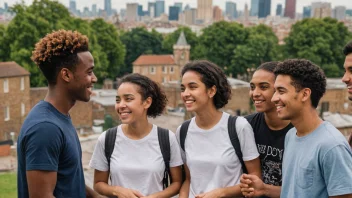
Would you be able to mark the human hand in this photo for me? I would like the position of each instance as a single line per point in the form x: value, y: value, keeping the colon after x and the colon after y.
x: 127, y: 193
x: 252, y: 186
x: 211, y: 194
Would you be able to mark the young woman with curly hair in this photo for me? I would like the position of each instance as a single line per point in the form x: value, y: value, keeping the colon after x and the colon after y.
x: 136, y: 165
x: 48, y: 148
x: 212, y: 166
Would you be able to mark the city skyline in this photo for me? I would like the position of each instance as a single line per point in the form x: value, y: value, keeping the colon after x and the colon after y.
x: 119, y: 4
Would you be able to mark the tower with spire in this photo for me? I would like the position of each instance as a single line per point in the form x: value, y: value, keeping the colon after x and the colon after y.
x: 181, y: 50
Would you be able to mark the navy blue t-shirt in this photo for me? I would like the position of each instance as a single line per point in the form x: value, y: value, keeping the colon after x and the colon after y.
x: 48, y: 141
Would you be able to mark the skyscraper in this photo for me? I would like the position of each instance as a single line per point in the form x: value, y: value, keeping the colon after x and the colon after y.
x: 349, y: 12
x: 231, y: 10
x: 205, y: 10
x: 179, y: 4
x: 94, y: 10
x: 339, y: 12
x: 140, y: 10
x: 307, y: 12
x: 254, y: 8
x: 6, y: 7
x: 279, y: 10
x: 151, y: 9
x: 107, y: 7
x: 290, y: 9
x: 72, y: 7
x: 173, y: 13
x: 264, y: 8
x: 217, y: 13
x: 159, y: 7
x: 321, y: 9
x: 132, y: 12
x: 190, y: 16
x: 187, y: 7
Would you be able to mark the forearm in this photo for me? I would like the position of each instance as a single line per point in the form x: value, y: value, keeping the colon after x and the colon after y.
x: 184, y: 192
x: 233, y: 191
x: 170, y: 191
x: 272, y: 191
x: 105, y: 189
x: 90, y: 193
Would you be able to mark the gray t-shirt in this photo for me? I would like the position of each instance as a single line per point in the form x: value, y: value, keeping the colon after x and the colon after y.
x: 317, y: 165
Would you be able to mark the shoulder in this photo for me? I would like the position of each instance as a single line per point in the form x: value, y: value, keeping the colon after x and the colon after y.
x: 331, y: 137
x: 43, y: 129
x: 242, y: 123
x: 252, y: 117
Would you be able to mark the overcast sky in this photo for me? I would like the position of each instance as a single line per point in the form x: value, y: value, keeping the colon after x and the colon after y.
x: 118, y: 4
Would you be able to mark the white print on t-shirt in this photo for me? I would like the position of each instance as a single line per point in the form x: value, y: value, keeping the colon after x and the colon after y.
x: 270, y: 151
x: 272, y: 171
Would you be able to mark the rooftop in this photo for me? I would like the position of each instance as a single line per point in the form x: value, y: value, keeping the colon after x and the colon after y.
x: 155, y: 60
x: 12, y: 69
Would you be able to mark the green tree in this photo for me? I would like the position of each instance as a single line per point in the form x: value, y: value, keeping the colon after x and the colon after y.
x: 260, y: 46
x: 171, y: 39
x: 108, y: 38
x: 139, y: 41
x: 218, y: 42
x: 321, y: 41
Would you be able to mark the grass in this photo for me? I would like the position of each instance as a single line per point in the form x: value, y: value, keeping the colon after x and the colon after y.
x: 8, y: 185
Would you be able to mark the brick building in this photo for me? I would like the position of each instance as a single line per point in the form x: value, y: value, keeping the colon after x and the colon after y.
x: 14, y: 97
x: 164, y: 68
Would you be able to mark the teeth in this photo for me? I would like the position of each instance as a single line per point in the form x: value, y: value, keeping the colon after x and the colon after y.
x: 189, y: 102
x: 257, y: 102
x: 124, y: 113
x: 279, y: 107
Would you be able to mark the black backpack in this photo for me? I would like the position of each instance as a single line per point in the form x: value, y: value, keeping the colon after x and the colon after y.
x: 231, y: 125
x: 164, y: 142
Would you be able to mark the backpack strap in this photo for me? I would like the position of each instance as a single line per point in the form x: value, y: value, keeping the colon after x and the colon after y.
x: 183, y: 133
x: 235, y: 141
x: 110, y: 138
x: 164, y: 142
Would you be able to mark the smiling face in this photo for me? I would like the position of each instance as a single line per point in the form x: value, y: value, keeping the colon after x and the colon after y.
x: 83, y: 78
x: 262, y: 90
x: 195, y: 95
x: 347, y: 77
x: 130, y: 105
x: 287, y: 100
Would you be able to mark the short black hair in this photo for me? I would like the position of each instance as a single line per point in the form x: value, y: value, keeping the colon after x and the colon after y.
x: 268, y: 66
x: 347, y: 49
x: 59, y: 50
x: 304, y: 74
x: 211, y: 75
x: 147, y: 88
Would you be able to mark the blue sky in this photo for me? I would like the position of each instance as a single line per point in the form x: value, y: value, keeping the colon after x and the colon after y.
x: 118, y: 4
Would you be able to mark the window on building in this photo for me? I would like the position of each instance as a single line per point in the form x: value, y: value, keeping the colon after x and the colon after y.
x: 6, y: 85
x: 324, y: 106
x: 164, y: 69
x: 22, y: 83
x: 152, y: 70
x: 7, y: 113
x: 171, y: 69
x: 23, y: 109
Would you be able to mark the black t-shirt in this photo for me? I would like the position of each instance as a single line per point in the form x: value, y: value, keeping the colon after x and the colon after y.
x: 270, y: 145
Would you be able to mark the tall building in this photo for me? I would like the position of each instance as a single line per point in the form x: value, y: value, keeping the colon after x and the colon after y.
x: 123, y: 14
x: 307, y: 12
x: 6, y: 7
x: 339, y: 13
x: 264, y: 8
x: 151, y: 9
x: 205, y: 10
x: 94, y: 10
x: 140, y: 10
x: 173, y: 13
x: 107, y: 7
x: 246, y: 12
x: 179, y: 5
x: 72, y: 7
x: 279, y: 10
x: 217, y: 14
x: 231, y: 10
x: 187, y: 7
x: 290, y: 9
x: 254, y: 8
x: 349, y: 12
x: 190, y: 16
x: 321, y: 10
x: 132, y: 12
x: 159, y: 7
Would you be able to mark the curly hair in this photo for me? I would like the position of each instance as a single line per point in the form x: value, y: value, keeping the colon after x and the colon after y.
x: 268, y: 66
x: 304, y: 74
x: 59, y: 50
x: 347, y: 49
x: 211, y: 75
x: 147, y: 88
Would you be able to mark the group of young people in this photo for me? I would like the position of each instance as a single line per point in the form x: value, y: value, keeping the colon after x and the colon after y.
x: 283, y: 150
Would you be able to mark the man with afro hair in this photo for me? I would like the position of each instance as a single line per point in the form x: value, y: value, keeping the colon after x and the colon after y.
x: 48, y: 148
x: 347, y: 77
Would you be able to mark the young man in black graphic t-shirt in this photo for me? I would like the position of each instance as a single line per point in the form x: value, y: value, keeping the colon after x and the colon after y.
x: 269, y: 132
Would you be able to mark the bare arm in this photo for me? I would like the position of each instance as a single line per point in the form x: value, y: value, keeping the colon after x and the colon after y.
x: 102, y: 187
x: 184, y: 192
x: 90, y: 193
x: 41, y: 184
x: 174, y: 187
x: 253, y: 186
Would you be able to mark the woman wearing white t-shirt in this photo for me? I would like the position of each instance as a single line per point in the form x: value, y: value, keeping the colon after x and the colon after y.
x: 137, y: 165
x: 212, y: 166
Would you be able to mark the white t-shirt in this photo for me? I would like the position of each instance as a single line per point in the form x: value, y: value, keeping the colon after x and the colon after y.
x: 136, y: 164
x: 210, y: 156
